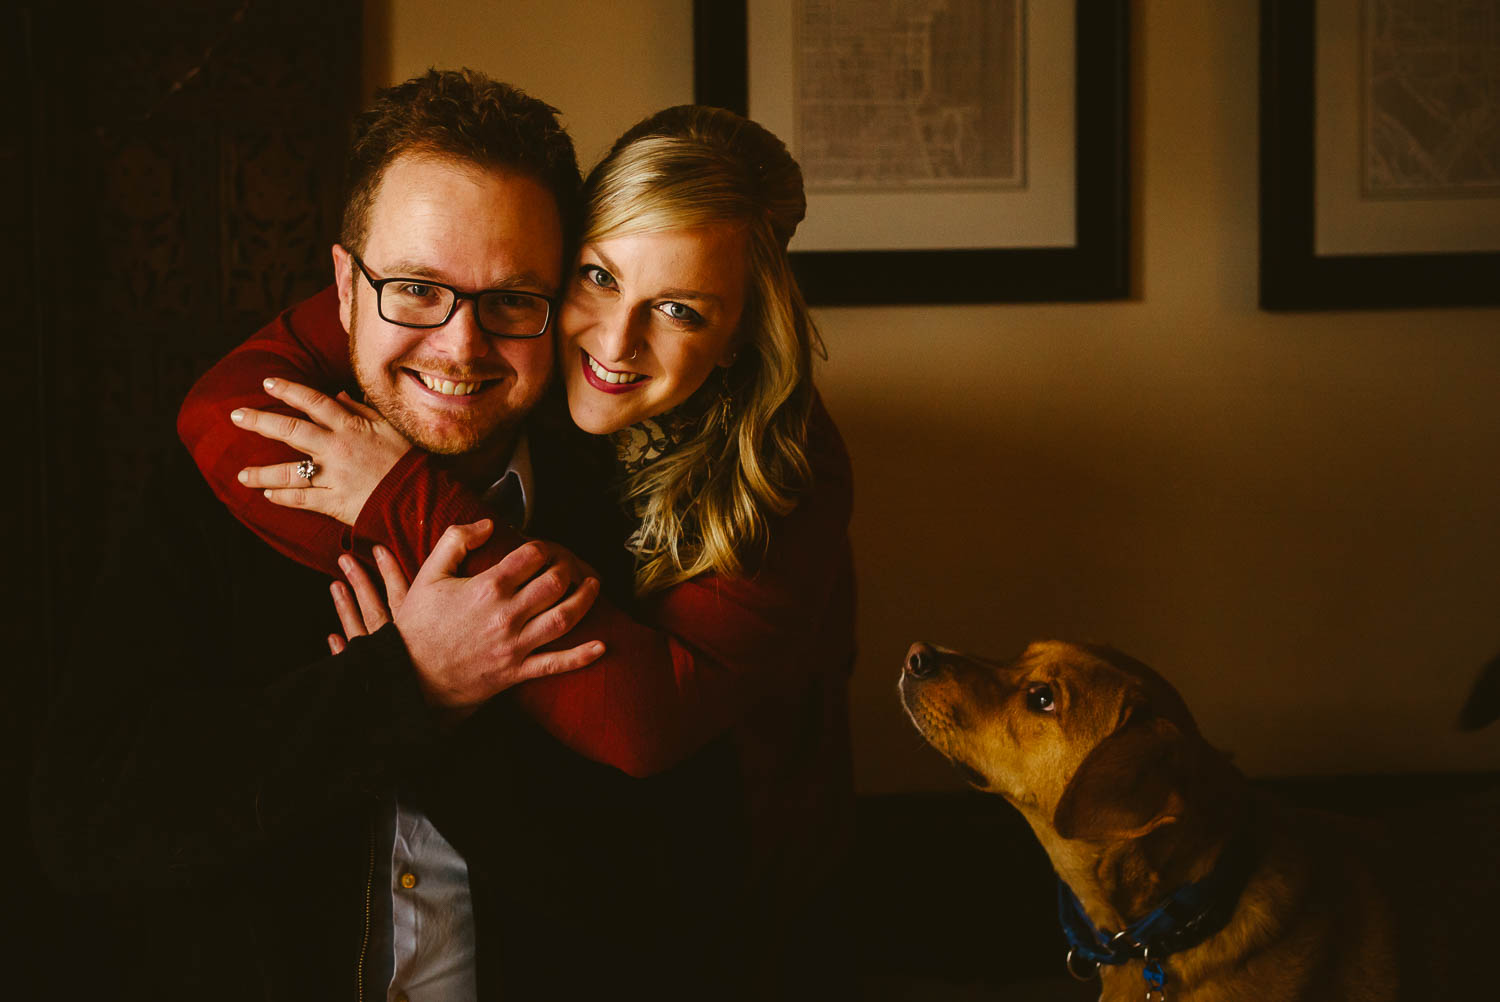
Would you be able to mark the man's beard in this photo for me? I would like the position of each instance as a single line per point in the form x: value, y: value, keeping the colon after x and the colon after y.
x: 459, y: 436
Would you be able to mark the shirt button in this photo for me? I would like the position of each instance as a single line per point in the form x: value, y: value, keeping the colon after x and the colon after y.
x: 408, y: 880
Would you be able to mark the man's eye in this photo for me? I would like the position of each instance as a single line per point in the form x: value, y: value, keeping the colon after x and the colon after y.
x: 595, y: 275
x: 417, y: 290
x: 680, y: 313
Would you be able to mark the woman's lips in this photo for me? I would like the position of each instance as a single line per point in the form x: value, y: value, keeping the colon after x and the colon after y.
x: 598, y: 376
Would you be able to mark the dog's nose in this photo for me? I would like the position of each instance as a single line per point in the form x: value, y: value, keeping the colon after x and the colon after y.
x: 921, y: 660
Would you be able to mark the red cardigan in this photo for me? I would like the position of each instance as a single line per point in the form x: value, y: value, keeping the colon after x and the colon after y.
x: 716, y: 652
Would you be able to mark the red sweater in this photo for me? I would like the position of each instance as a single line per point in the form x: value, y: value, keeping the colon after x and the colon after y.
x: 767, y: 654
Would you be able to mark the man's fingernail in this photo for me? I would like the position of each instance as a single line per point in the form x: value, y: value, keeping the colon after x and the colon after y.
x: 344, y: 562
x: 244, y: 476
x: 270, y: 382
x: 237, y: 415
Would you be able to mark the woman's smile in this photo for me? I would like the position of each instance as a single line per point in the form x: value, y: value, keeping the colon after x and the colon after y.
x: 609, y: 380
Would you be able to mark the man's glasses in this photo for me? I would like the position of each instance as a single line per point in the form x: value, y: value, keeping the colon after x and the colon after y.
x: 416, y: 302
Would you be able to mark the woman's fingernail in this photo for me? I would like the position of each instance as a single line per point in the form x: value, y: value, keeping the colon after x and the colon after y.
x: 270, y: 383
x: 344, y: 562
x: 244, y: 476
x: 237, y: 415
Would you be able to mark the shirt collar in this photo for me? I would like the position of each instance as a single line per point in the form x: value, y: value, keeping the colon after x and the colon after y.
x: 520, y: 467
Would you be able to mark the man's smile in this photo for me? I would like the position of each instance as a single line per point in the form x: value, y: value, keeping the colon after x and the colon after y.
x: 452, y: 388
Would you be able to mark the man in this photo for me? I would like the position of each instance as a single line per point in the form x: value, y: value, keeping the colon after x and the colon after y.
x: 288, y: 826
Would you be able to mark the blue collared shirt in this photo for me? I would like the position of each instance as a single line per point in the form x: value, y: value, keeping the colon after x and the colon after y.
x: 423, y: 946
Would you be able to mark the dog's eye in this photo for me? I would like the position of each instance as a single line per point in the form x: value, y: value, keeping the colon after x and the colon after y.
x: 1039, y: 698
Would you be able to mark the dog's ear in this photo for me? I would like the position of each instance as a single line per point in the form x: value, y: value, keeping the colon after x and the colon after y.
x: 1128, y: 785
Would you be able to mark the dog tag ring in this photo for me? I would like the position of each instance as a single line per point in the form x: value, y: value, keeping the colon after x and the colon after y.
x: 1074, y: 970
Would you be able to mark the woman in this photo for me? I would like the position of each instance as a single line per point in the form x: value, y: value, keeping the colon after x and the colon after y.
x: 734, y: 479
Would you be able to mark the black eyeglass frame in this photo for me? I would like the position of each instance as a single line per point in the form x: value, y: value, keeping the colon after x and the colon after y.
x: 379, y: 284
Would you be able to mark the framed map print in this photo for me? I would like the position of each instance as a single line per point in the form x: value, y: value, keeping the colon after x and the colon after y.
x: 1380, y: 153
x: 952, y: 150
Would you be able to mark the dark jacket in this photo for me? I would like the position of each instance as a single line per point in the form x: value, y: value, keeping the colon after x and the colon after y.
x: 212, y: 776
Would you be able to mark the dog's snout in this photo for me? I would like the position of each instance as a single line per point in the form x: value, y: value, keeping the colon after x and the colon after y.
x: 921, y: 660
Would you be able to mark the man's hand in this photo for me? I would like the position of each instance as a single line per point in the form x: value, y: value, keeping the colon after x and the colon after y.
x: 361, y: 609
x: 472, y: 637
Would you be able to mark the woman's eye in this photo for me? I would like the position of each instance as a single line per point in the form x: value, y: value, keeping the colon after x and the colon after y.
x: 680, y: 313
x: 1039, y: 698
x: 595, y: 275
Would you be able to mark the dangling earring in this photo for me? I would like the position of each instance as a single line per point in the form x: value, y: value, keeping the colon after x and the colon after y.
x: 725, y: 403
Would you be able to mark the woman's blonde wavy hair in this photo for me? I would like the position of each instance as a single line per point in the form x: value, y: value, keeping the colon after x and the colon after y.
x: 706, y: 503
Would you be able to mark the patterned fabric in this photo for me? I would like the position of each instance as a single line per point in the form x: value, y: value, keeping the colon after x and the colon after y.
x: 643, y: 443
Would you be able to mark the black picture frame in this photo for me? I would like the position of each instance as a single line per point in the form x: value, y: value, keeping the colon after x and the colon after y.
x: 1096, y: 267
x: 1292, y: 275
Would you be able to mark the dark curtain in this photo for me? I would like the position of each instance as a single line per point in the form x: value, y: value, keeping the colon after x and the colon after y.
x: 172, y: 171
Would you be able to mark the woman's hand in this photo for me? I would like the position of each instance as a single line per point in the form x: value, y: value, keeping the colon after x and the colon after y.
x: 352, y: 445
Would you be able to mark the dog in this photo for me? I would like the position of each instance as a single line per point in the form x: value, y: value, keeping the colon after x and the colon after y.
x: 1178, y: 879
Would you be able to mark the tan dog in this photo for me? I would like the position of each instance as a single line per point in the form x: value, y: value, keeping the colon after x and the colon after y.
x: 1101, y: 756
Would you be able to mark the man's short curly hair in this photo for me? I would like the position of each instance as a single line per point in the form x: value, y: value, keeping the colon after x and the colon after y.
x: 466, y: 116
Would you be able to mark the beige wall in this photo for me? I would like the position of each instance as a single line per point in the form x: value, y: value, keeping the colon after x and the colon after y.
x: 1295, y: 517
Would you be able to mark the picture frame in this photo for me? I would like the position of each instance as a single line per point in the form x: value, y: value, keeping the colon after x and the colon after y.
x: 1294, y: 274
x: 1091, y: 265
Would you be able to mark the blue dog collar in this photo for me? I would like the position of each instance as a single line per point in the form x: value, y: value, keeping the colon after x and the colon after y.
x: 1192, y: 914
